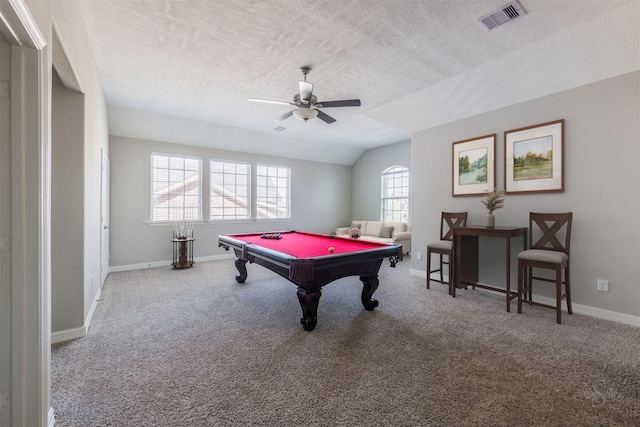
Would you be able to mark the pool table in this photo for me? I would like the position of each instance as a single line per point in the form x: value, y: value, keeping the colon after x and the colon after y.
x: 311, y: 261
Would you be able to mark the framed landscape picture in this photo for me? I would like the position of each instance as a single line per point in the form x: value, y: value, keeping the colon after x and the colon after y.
x: 534, y: 158
x: 474, y: 166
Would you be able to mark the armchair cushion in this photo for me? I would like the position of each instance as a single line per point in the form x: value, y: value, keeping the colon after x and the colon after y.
x: 397, y: 226
x: 386, y: 231
x: 373, y: 228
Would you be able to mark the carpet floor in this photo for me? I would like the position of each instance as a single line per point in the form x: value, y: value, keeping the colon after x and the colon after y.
x: 194, y: 348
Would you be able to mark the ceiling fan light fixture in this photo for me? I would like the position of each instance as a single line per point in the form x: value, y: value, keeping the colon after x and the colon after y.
x: 305, y: 114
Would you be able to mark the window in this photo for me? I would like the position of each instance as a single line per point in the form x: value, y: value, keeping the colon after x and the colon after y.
x: 272, y: 192
x: 229, y: 191
x: 175, y: 187
x: 395, y: 194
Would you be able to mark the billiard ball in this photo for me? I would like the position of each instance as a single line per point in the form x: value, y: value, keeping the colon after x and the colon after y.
x: 331, y: 249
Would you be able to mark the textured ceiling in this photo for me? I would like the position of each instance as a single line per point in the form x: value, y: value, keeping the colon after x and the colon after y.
x: 414, y: 64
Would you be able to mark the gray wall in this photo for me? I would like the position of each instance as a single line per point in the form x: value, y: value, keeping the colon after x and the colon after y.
x: 320, y: 197
x: 602, y: 149
x: 366, y: 178
x: 67, y: 207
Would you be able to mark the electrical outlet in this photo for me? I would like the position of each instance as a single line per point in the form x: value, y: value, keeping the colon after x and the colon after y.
x: 603, y: 285
x: 418, y: 255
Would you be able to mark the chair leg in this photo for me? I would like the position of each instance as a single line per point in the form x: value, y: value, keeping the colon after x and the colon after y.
x: 558, y: 294
x: 530, y: 284
x: 441, y: 278
x: 520, y: 279
x: 428, y: 268
x: 567, y: 285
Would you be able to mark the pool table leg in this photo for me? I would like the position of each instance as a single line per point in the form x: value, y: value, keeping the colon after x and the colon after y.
x: 309, y: 303
x: 370, y: 286
x: 241, y: 265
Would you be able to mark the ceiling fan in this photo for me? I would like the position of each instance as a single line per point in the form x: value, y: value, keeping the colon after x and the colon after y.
x: 308, y: 106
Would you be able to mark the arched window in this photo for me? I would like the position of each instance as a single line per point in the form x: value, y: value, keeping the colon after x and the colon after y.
x: 395, y: 194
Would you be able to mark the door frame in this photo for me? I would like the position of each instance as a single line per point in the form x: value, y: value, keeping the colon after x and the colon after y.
x: 31, y: 216
x: 104, y: 218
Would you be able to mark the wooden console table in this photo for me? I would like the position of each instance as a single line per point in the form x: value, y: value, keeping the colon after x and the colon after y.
x: 465, y: 249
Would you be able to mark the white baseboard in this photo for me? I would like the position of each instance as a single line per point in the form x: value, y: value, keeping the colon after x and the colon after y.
x: 154, y: 264
x: 68, y: 335
x: 598, y: 313
x: 51, y: 417
x: 75, y: 333
x: 419, y: 273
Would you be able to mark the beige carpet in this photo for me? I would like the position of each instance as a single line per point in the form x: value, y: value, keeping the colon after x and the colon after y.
x: 193, y: 348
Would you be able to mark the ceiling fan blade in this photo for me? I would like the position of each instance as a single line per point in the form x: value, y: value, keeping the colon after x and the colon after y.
x: 306, y: 90
x: 343, y: 103
x: 269, y: 101
x: 325, y: 117
x: 284, y: 116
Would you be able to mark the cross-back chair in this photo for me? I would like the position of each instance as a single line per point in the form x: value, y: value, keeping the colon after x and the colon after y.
x: 549, y: 250
x: 444, y: 246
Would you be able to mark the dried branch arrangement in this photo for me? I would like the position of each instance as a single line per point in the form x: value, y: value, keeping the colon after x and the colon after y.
x: 494, y: 199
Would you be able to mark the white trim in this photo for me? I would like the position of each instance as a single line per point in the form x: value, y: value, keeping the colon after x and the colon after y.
x: 22, y: 28
x: 52, y: 418
x: 419, y: 273
x: 154, y: 264
x: 75, y: 333
x: 29, y: 24
x: 92, y: 310
x: 598, y: 313
x: 68, y: 335
x: 62, y: 63
x: 31, y: 221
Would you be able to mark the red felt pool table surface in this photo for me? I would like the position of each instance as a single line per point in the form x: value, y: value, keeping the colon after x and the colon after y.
x: 307, y: 245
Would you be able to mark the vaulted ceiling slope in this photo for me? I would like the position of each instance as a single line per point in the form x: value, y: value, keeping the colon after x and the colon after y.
x: 182, y: 71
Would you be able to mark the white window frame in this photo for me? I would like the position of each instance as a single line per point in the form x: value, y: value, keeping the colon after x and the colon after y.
x: 183, y: 209
x: 394, y: 172
x: 228, y: 193
x: 260, y: 200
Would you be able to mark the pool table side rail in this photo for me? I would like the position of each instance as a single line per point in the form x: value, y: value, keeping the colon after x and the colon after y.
x: 302, y: 270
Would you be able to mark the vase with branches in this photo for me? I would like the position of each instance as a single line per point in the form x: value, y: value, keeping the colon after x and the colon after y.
x: 493, y: 200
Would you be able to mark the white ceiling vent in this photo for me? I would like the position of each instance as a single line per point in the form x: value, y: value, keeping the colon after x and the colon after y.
x: 506, y: 13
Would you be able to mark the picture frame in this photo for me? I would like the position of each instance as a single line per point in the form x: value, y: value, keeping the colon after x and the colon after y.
x: 474, y: 166
x: 534, y: 159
